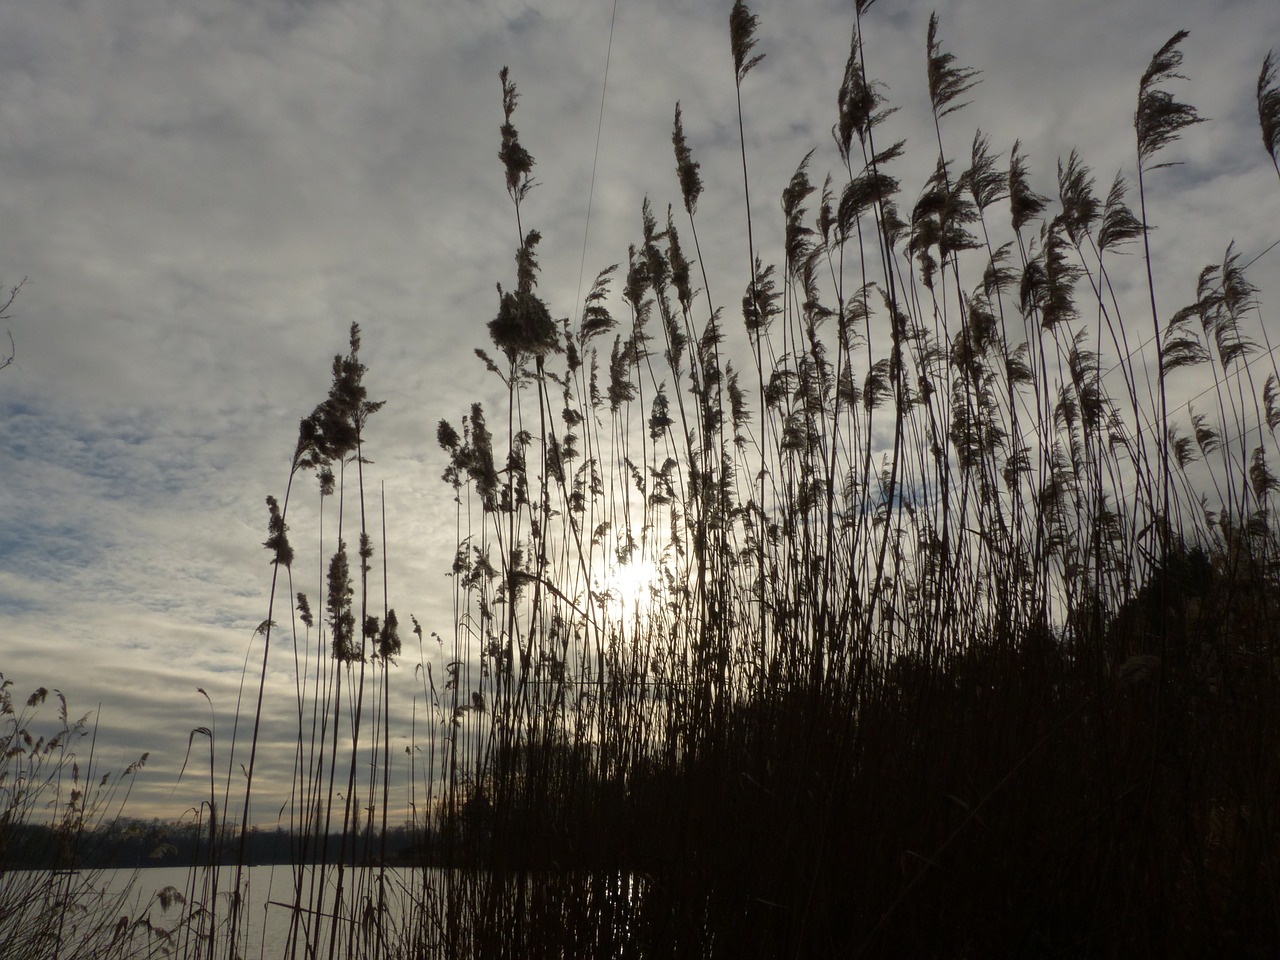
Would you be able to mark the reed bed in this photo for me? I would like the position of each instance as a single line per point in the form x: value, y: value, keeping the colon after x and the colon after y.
x: 959, y: 633
x: 894, y: 606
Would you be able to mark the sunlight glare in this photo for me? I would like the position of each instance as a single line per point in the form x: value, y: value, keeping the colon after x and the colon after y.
x: 630, y: 586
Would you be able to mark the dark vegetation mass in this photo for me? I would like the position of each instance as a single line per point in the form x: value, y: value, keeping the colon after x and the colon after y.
x: 957, y: 633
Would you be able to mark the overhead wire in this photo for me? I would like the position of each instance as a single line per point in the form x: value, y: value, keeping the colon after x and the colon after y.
x: 1151, y: 339
x: 595, y: 159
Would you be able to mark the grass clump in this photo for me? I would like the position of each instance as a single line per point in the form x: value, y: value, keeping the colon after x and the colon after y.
x: 56, y: 819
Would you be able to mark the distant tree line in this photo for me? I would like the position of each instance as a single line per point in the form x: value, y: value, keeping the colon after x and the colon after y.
x: 130, y: 843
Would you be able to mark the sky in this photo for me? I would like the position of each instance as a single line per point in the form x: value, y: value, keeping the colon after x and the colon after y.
x: 202, y: 196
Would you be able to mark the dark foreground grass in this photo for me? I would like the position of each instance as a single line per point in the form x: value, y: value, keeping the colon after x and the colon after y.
x: 959, y: 635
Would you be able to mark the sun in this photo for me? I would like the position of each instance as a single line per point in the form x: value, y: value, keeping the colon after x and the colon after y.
x: 630, y: 586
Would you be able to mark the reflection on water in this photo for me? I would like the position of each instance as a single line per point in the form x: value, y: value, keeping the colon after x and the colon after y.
x: 381, y: 912
x: 374, y: 913
x: 283, y: 907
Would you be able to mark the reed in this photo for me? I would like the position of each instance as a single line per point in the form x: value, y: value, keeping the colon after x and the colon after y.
x: 900, y: 608
x: 953, y: 622
x: 56, y: 812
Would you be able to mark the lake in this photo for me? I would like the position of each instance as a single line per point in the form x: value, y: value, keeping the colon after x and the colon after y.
x: 174, y: 912
x: 264, y: 926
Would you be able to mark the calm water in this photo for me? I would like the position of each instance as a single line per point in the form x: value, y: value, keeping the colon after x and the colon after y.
x: 171, y: 911
x: 269, y: 894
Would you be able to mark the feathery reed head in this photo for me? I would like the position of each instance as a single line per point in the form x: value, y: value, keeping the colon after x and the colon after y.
x: 277, y: 540
x: 742, y: 39
x: 1160, y: 119
x: 686, y: 167
x: 516, y: 160
x: 947, y: 81
x: 1269, y: 107
x: 1024, y: 203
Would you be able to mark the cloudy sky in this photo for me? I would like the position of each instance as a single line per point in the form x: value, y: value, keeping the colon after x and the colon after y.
x: 203, y: 194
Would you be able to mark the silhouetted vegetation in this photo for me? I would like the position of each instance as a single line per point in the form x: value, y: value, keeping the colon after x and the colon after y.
x: 956, y: 632
x: 958, y: 640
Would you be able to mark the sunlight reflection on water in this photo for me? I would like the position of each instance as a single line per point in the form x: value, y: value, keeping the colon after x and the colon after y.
x: 269, y: 893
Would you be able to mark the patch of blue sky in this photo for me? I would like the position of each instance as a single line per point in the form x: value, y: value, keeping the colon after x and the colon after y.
x: 35, y: 534
x: 119, y: 458
x: 16, y: 601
